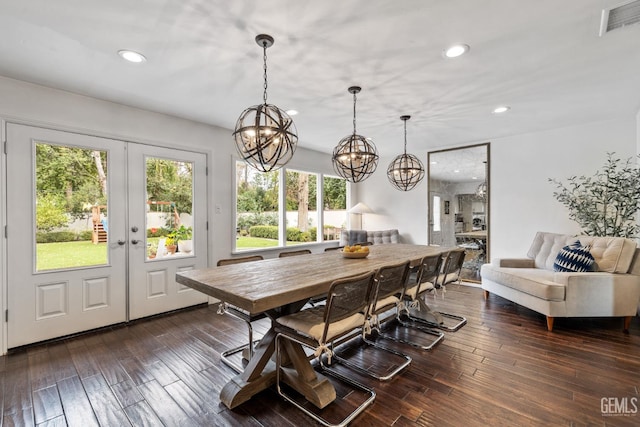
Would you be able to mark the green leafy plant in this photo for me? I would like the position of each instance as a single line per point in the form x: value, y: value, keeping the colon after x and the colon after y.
x: 607, y: 203
x: 183, y: 233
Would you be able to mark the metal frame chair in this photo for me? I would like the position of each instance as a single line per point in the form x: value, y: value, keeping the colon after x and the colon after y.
x: 392, y: 277
x: 435, y: 274
x: 347, y: 304
x: 388, y: 287
x: 238, y: 313
x: 412, y: 299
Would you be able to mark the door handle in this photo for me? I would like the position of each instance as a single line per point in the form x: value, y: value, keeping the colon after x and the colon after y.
x: 121, y: 242
x: 135, y: 242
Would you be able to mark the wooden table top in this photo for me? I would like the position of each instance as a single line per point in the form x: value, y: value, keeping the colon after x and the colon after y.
x: 259, y: 286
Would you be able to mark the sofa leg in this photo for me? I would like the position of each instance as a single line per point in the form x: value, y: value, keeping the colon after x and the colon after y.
x: 486, y: 294
x: 549, y: 323
x: 627, y: 323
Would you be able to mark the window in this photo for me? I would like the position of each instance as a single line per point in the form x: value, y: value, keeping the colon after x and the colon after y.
x: 257, y: 208
x: 260, y: 210
x: 301, y: 207
x: 169, y: 221
x: 334, y: 203
x: 71, y: 207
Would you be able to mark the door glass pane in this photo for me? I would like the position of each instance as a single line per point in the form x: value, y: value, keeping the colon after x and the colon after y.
x: 71, y: 212
x: 169, y: 220
x: 302, y: 212
x: 334, y: 207
x: 436, y: 213
x: 257, y: 210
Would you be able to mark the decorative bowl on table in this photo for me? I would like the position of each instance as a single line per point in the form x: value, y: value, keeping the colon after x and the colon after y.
x: 355, y: 252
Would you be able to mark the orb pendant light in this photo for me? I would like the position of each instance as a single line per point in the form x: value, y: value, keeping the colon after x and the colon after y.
x: 406, y: 170
x: 265, y: 135
x: 355, y: 157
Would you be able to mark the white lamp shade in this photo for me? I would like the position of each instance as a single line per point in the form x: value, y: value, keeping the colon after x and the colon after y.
x: 360, y: 208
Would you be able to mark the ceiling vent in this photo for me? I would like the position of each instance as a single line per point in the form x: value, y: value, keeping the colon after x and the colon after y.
x: 620, y: 16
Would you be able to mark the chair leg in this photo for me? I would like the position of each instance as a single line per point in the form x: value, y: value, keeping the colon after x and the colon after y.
x: 424, y: 314
x: 403, y: 360
x: 225, y: 355
x: 439, y: 336
x: 343, y: 378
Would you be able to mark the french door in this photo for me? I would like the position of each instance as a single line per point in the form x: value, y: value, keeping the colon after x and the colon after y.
x: 82, y: 227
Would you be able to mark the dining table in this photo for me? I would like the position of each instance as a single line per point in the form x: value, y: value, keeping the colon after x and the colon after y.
x: 280, y: 286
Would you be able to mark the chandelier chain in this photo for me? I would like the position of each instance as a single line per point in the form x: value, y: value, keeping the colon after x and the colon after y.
x: 405, y: 137
x: 264, y: 58
x: 354, y: 113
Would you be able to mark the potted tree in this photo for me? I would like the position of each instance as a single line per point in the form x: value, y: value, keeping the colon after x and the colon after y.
x: 184, y: 237
x: 607, y: 203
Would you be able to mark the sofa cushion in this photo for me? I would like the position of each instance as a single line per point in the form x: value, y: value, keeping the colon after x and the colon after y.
x: 574, y: 257
x: 533, y: 281
x: 383, y: 236
x: 545, y: 248
x: 611, y: 254
x: 351, y: 237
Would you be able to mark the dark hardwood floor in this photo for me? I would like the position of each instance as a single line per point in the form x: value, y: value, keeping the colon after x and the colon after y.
x: 502, y: 368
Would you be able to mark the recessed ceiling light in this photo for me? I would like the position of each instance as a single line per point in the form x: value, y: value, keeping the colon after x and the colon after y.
x: 456, y: 50
x: 501, y: 109
x: 456, y: 171
x: 474, y: 177
x: 433, y: 162
x: 292, y: 112
x: 132, y: 56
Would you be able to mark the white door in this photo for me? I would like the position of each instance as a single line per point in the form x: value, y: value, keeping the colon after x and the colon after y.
x: 152, y: 268
x: 58, y: 287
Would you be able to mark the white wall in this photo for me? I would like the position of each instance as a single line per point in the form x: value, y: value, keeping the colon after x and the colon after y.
x: 392, y: 208
x: 37, y: 105
x: 522, y: 199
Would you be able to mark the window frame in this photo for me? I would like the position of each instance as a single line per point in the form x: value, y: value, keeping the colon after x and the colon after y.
x: 282, y: 244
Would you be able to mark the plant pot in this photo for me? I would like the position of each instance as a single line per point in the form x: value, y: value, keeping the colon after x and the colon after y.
x: 172, y: 249
x: 185, y: 246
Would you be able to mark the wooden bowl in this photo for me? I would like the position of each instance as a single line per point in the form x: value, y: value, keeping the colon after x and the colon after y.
x: 354, y: 254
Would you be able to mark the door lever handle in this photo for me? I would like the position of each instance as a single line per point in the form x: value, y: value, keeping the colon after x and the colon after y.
x: 135, y: 242
x: 121, y: 242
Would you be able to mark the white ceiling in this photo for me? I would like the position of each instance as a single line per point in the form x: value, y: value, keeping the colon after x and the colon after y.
x: 544, y: 58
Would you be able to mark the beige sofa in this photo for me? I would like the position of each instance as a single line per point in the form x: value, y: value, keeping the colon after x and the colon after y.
x: 611, y: 290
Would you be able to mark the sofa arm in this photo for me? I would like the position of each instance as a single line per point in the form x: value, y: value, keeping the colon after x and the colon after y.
x: 600, y: 293
x: 513, y: 262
